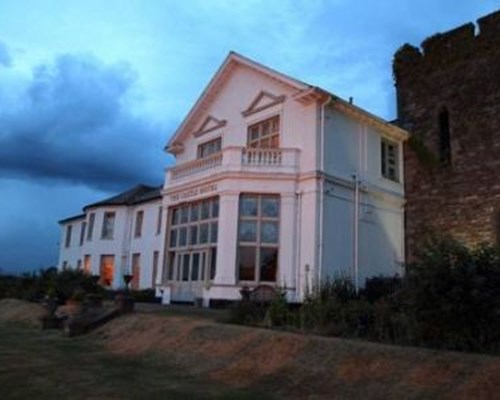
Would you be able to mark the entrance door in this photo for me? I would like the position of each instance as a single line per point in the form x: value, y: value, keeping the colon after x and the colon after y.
x: 191, y: 274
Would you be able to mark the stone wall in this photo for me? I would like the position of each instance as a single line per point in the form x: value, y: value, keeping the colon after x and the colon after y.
x: 459, y: 71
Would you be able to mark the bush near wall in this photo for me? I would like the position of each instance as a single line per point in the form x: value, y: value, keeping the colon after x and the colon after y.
x: 450, y: 299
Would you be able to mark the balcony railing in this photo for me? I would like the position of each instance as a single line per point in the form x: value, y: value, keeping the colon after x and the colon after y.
x: 238, y: 159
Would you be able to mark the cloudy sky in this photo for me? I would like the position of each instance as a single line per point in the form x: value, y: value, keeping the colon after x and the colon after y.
x: 90, y: 91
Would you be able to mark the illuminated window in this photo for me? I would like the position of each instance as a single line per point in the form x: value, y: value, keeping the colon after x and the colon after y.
x: 258, y: 237
x: 108, y: 225
x: 264, y: 134
x: 106, y: 270
x: 389, y: 160
x: 136, y: 271
x: 86, y: 264
x: 209, y: 148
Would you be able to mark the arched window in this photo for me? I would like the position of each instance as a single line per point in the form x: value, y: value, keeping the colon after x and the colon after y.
x: 444, y: 137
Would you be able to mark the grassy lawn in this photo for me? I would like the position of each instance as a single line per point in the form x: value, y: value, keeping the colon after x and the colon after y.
x: 45, y: 365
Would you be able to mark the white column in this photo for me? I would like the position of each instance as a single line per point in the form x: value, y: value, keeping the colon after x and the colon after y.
x: 227, y: 236
x: 286, y: 271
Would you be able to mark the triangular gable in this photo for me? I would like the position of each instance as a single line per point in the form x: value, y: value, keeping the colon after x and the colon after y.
x: 262, y: 101
x: 209, y: 124
x: 218, y: 80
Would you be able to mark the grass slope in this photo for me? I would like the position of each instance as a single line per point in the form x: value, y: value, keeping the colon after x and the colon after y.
x: 168, y: 355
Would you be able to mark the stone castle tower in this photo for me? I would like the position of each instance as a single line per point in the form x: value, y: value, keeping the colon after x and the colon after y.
x: 448, y: 95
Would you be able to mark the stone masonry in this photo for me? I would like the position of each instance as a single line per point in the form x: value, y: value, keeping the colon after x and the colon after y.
x: 456, y: 193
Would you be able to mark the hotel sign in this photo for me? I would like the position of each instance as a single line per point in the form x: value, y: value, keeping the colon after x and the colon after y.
x: 193, y: 192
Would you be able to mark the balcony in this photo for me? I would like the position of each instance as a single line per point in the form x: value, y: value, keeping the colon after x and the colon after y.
x: 237, y: 159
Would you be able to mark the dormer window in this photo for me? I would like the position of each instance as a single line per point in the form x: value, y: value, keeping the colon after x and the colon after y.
x: 264, y: 134
x: 208, y: 148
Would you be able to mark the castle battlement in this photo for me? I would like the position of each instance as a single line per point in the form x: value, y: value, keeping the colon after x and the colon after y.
x: 451, y: 46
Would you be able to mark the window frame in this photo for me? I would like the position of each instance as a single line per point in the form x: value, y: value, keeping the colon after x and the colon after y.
x: 200, y: 154
x: 258, y: 245
x: 108, y: 231
x: 385, y: 161
x: 138, y: 223
x: 67, y: 239
x: 268, y: 136
x: 181, y: 218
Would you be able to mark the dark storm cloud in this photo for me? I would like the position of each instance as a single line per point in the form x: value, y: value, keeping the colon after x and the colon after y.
x: 5, y: 58
x: 72, y: 124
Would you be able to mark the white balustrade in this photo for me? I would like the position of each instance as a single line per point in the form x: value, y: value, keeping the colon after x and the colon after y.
x: 235, y: 158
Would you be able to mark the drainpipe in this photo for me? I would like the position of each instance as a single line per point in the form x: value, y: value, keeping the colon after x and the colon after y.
x: 356, y: 233
x: 321, y: 187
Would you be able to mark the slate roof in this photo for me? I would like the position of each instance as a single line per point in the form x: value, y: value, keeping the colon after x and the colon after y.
x: 138, y: 194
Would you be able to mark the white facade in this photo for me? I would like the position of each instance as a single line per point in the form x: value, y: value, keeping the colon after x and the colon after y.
x: 340, y: 200
x: 276, y: 182
x: 88, y: 249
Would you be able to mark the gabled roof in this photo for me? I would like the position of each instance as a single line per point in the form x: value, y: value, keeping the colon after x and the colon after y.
x: 232, y: 60
x: 305, y: 93
x: 138, y: 194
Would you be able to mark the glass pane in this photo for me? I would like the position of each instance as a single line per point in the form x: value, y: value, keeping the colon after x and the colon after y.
x: 246, y: 263
x: 195, y: 211
x: 184, y: 214
x: 215, y: 208
x: 175, y: 216
x: 213, y: 232
x: 171, y: 259
x: 254, y: 133
x: 179, y: 265
x: 213, y: 262
x: 275, y: 142
x: 248, y: 206
x: 265, y: 143
x: 182, y: 236
x: 248, y: 231
x: 173, y: 238
x: 269, y: 232
x: 193, y: 235
x: 203, y: 233
x: 270, y: 207
x: 205, y: 209
x: 268, y: 264
x: 195, y: 268
x: 203, y: 262
x: 185, y: 267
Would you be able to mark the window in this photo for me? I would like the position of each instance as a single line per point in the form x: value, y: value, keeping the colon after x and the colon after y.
x: 108, y: 225
x: 139, y: 216
x: 209, y: 148
x: 156, y: 256
x: 82, y: 233
x: 136, y: 271
x: 107, y: 269
x: 65, y: 265
x: 192, y: 241
x: 91, y: 226
x: 86, y: 264
x: 258, y: 237
x: 389, y: 160
x: 68, y: 236
x: 444, y: 137
x: 79, y: 264
x: 264, y: 134
x: 159, y: 220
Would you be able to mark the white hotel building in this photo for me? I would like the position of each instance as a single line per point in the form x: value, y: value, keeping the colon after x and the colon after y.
x: 276, y: 182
